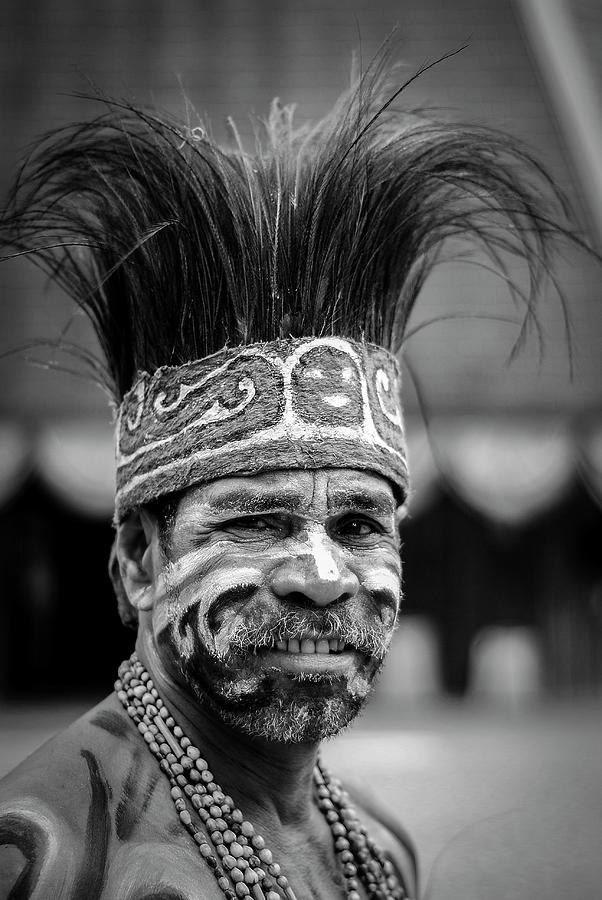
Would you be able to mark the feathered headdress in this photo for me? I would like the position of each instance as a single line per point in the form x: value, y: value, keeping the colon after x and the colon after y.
x: 176, y: 248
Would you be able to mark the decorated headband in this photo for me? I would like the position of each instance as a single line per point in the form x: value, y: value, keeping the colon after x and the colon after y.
x: 301, y: 403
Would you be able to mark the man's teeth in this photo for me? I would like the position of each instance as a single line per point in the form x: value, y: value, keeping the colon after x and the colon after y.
x: 309, y: 645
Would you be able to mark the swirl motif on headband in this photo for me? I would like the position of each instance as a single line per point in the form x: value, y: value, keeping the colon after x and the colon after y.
x: 301, y: 403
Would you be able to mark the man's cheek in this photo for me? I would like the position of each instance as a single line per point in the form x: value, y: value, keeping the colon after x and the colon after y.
x: 229, y: 629
x: 176, y: 630
x: 181, y: 623
x: 192, y: 587
x: 383, y: 583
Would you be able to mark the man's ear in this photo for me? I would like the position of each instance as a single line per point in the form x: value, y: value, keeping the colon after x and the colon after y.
x: 401, y: 512
x: 133, y: 548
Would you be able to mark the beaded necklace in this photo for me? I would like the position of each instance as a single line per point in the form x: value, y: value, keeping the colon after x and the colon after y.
x: 242, y: 864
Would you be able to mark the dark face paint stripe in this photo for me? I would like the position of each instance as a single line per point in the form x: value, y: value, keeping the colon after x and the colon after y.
x: 238, y: 593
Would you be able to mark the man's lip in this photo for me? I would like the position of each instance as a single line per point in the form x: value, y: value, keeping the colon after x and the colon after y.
x: 328, y: 663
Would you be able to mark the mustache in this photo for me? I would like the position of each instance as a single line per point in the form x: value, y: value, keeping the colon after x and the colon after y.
x: 345, y: 624
x: 240, y: 593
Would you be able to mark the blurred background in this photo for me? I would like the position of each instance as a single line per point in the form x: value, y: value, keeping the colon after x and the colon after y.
x: 490, y: 700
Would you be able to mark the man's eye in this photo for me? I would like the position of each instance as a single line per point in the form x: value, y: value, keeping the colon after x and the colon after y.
x: 357, y: 527
x: 252, y: 524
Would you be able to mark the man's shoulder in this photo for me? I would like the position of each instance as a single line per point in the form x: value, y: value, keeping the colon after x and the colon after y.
x: 387, y: 832
x: 61, y: 767
x: 57, y: 801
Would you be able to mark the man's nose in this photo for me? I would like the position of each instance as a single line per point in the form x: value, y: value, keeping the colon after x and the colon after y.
x: 318, y: 573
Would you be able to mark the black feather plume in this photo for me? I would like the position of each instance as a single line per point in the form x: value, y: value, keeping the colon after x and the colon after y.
x: 175, y: 247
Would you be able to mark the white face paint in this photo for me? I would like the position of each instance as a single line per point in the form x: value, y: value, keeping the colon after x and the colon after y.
x: 386, y: 581
x: 321, y: 552
x: 185, y: 585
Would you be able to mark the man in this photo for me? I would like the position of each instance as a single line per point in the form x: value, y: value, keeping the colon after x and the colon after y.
x: 261, y: 479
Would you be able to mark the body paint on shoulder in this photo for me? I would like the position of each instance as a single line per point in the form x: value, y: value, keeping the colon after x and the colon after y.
x: 46, y: 844
x: 93, y: 871
x: 136, y: 795
x: 111, y: 721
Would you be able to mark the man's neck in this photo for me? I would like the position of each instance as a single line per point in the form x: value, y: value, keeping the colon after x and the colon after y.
x: 270, y: 781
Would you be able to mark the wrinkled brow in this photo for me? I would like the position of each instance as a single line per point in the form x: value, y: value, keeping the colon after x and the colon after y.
x: 377, y: 502
x: 254, y: 500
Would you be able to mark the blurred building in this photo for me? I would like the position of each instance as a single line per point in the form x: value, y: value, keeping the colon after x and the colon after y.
x: 506, y: 519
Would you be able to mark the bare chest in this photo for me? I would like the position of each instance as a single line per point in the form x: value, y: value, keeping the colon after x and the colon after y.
x: 170, y: 870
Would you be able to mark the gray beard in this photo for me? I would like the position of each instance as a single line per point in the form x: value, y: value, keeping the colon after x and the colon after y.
x: 313, y: 709
x: 295, y: 722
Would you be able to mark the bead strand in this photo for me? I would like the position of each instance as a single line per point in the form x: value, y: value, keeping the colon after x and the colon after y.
x: 375, y: 870
x: 368, y: 868
x: 339, y: 834
x: 351, y: 842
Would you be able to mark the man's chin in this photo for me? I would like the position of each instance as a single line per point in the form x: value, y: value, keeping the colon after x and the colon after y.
x: 296, y: 721
x: 303, y: 710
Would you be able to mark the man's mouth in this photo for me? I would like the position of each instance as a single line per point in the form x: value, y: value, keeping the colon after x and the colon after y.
x: 309, y: 654
x: 304, y: 644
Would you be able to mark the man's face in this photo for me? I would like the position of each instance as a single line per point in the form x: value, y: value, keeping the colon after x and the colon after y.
x: 279, y: 596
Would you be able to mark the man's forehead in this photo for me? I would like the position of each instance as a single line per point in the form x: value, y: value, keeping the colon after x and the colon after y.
x: 297, y: 489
